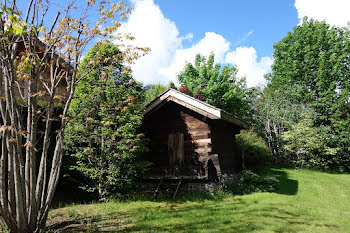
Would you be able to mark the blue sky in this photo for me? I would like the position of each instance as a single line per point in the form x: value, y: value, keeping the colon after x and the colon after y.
x: 240, y: 32
x: 247, y: 23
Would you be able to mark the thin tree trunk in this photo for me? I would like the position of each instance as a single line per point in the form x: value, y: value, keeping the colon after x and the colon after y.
x: 27, y: 190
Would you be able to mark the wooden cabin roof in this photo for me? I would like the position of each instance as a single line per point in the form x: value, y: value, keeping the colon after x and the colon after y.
x: 196, y: 105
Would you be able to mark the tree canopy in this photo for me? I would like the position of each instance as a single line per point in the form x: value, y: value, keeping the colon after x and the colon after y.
x: 103, y: 135
x: 314, y: 60
x: 316, y: 57
x: 216, y: 84
x: 152, y: 91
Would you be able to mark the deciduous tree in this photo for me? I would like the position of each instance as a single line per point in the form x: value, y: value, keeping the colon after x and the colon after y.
x: 104, y: 134
x: 315, y: 57
x: 153, y: 91
x: 40, y: 52
x: 219, y: 85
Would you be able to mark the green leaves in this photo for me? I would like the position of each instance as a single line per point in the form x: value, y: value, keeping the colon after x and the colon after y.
x: 309, y: 144
x: 316, y: 58
x: 18, y: 30
x: 14, y: 23
x: 12, y: 18
x: 219, y: 85
x: 102, y: 136
x: 27, y: 67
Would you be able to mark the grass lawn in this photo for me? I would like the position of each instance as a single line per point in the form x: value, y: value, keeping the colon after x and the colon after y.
x: 306, y: 201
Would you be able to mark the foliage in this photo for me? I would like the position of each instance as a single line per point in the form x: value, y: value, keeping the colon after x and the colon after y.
x: 316, y: 57
x: 185, y: 90
x: 309, y: 145
x: 216, y: 84
x: 40, y: 55
x: 153, y: 91
x: 314, y: 60
x: 103, y: 135
x: 247, y: 182
x: 253, y: 148
x: 274, y: 110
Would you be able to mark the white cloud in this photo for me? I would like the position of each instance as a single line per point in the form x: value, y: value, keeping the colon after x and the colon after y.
x: 151, y: 29
x: 167, y: 57
x: 212, y: 42
x: 245, y: 58
x: 334, y: 12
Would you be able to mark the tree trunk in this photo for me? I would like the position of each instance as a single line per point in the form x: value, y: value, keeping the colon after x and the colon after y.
x: 34, y: 63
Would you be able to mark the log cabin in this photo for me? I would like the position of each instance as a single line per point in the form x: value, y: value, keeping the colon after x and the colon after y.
x: 190, y: 138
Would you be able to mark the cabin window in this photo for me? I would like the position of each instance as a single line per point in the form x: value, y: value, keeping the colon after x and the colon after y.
x: 176, y: 149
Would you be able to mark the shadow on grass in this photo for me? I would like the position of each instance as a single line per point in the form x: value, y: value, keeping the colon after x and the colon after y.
x: 69, y: 194
x: 286, y: 185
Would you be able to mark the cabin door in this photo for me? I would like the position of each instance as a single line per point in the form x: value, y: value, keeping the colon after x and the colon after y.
x: 176, y: 149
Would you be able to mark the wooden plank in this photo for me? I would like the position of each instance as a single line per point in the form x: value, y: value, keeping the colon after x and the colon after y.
x: 191, y: 119
x: 203, y: 134
x: 195, y: 123
x: 180, y: 149
x: 199, y: 129
x: 193, y: 137
x: 197, y: 126
x: 171, y: 153
x: 202, y: 141
x: 203, y: 150
x: 176, y: 149
x: 198, y: 142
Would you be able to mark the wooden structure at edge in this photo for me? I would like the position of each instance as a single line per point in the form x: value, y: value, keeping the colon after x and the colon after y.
x: 190, y: 138
x: 22, y: 89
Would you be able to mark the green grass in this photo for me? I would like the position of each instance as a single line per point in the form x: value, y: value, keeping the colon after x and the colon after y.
x: 306, y: 201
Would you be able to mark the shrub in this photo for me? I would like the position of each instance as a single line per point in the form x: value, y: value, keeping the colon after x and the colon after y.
x: 310, y: 146
x: 198, y: 95
x: 253, y: 148
x: 185, y: 90
x: 247, y: 182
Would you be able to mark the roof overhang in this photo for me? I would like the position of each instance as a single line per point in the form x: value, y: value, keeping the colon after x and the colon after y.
x: 195, y: 105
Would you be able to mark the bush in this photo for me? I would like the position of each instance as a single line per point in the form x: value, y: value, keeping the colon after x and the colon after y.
x: 185, y: 90
x: 253, y: 148
x: 247, y: 182
x: 310, y: 146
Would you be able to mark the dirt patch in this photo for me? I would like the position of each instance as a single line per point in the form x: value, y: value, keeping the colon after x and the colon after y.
x: 80, y: 223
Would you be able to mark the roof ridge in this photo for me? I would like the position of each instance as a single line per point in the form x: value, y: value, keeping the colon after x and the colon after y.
x: 215, y: 111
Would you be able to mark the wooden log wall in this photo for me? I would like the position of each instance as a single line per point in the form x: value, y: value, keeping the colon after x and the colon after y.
x: 172, y: 124
x: 224, y: 144
x: 164, y: 126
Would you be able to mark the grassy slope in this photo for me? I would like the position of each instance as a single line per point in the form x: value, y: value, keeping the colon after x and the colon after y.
x: 307, y: 201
